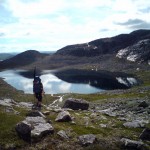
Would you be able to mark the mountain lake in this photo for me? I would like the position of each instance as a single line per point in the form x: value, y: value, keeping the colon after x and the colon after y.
x: 54, y: 83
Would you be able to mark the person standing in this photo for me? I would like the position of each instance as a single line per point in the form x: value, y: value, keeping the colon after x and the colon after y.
x: 38, y: 90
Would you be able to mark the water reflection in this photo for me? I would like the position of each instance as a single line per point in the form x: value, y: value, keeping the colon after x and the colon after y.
x: 23, y: 80
x: 99, y: 79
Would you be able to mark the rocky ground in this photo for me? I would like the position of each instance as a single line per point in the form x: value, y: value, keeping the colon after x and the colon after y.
x: 117, y: 119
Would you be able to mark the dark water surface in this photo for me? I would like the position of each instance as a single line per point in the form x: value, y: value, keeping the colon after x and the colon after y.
x: 69, y: 81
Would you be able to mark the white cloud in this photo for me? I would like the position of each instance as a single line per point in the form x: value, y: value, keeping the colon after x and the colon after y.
x: 50, y: 25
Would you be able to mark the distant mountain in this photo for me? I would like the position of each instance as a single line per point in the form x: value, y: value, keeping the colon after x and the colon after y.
x: 22, y: 59
x: 105, y: 45
x: 4, y: 56
x: 103, y: 53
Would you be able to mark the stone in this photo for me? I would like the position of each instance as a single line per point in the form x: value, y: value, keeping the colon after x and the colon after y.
x: 87, y: 139
x: 24, y: 130
x: 63, y: 116
x: 42, y: 129
x: 76, y: 104
x: 145, y: 135
x: 34, y: 114
x: 135, y: 124
x: 63, y: 134
x: 35, y: 120
x: 26, y: 104
x: 143, y: 104
x: 131, y: 144
x: 33, y: 128
x: 103, y: 125
x: 7, y: 102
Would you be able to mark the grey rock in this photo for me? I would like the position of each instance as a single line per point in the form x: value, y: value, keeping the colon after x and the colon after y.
x: 145, y: 135
x: 40, y: 130
x: 34, y: 114
x: 63, y: 134
x: 103, y: 125
x: 131, y: 144
x: 33, y: 128
x: 26, y: 104
x: 76, y: 104
x: 108, y: 112
x: 87, y: 139
x: 143, y: 104
x: 7, y: 102
x: 135, y: 124
x: 35, y: 120
x: 24, y: 130
x: 63, y: 116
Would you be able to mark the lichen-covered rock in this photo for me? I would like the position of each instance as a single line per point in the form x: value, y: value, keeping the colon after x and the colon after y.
x: 33, y: 128
x: 87, y: 139
x: 136, y: 124
x: 42, y: 129
x: 63, y: 116
x: 76, y: 104
x: 131, y: 144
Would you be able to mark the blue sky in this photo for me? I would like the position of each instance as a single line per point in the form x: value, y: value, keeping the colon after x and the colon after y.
x: 49, y: 25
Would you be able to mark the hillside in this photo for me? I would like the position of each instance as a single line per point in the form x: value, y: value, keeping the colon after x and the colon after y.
x: 22, y: 59
x: 111, y: 46
x: 4, y: 56
x: 105, y: 45
x: 114, y: 53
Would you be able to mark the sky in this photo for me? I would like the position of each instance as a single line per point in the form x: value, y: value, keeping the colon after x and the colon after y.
x: 49, y: 25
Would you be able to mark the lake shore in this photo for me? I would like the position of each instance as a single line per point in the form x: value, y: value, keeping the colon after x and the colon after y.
x: 105, y: 125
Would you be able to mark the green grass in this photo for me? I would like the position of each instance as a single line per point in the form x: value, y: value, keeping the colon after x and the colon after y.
x: 7, y: 128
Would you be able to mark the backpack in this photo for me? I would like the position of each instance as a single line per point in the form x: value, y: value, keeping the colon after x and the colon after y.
x: 37, y: 85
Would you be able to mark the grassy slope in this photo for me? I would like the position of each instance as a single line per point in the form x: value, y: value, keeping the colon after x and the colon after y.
x: 108, y: 136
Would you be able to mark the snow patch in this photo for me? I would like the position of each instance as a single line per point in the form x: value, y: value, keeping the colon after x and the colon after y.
x: 121, y: 53
x: 121, y: 80
x: 132, y: 58
x: 132, y: 81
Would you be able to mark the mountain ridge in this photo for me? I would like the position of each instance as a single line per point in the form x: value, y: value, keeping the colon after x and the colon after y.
x: 22, y: 59
x: 100, y: 52
x: 104, y: 45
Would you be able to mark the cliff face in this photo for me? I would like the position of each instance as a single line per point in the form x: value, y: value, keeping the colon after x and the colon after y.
x: 138, y: 52
x: 105, y: 45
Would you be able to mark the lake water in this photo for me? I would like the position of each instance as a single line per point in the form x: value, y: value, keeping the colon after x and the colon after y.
x: 51, y: 83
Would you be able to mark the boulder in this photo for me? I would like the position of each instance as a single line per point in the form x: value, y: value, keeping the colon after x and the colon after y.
x: 145, y: 135
x: 40, y: 130
x: 33, y: 128
x: 76, y: 104
x: 143, y: 104
x: 131, y: 144
x: 87, y: 139
x: 24, y: 130
x: 63, y: 116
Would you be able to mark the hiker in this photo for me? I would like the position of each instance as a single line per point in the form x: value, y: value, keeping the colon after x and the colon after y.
x: 38, y: 90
